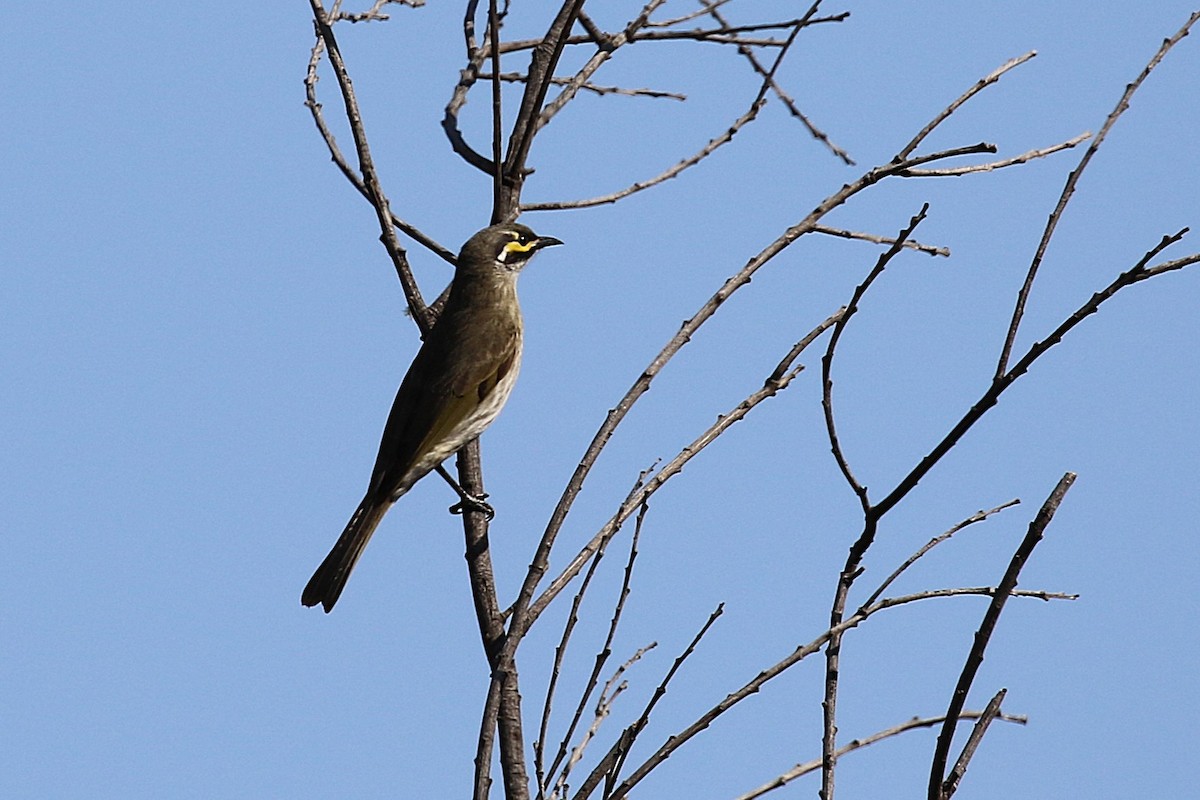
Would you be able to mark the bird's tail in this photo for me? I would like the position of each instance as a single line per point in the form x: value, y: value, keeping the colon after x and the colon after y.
x: 327, y: 582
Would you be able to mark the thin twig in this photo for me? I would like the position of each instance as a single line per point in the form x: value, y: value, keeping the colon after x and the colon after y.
x: 605, y: 650
x: 989, y: 166
x: 850, y: 572
x: 709, y: 5
x: 871, y: 237
x: 366, y: 165
x: 519, y: 77
x: 608, y: 695
x: 314, y: 106
x: 605, y: 50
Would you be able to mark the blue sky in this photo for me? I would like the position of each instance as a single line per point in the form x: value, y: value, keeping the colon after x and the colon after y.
x: 200, y: 337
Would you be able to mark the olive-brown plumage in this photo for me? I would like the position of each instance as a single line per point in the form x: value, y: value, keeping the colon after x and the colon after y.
x: 456, y: 385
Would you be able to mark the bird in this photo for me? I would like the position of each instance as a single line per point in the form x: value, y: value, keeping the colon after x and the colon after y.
x: 455, y: 387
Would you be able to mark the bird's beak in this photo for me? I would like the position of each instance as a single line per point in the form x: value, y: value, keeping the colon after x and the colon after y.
x: 547, y: 241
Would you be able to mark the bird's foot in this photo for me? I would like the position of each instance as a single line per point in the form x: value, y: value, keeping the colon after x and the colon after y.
x: 471, y: 502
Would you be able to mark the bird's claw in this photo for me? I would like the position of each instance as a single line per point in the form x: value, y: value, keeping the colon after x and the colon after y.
x: 474, y: 503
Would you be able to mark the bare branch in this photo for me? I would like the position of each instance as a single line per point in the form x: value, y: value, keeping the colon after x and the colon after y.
x: 490, y: 621
x: 1138, y: 272
x: 978, y: 516
x: 1037, y: 529
x: 779, y: 380
x: 497, y: 116
x: 318, y: 114
x: 662, y: 177
x: 707, y: 150
x: 686, y: 331
x: 375, y: 13
x: 610, y: 766
x: 915, y: 723
x: 1069, y: 189
x: 607, y: 46
x: 541, y: 69
x: 366, y: 165
x: 755, y: 685
x: 458, y: 98
x: 788, y: 102
x: 945, y: 113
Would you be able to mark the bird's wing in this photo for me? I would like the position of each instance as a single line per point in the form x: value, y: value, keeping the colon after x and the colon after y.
x: 435, y: 400
x: 469, y: 385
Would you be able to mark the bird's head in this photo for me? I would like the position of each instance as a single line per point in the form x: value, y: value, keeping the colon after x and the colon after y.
x: 508, y: 247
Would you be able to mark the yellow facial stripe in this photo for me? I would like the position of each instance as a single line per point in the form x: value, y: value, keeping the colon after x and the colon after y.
x: 517, y: 247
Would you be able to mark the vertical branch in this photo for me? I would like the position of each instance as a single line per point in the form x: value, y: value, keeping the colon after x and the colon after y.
x: 827, y: 360
x: 870, y: 520
x: 1037, y: 529
x: 541, y: 71
x: 487, y: 614
x: 601, y: 657
x: 497, y: 135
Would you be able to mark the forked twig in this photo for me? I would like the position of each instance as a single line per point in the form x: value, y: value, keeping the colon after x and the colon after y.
x: 778, y: 380
x: 958, y: 103
x: 609, y: 767
x: 788, y: 102
x: 755, y: 685
x: 1069, y: 189
x: 990, y: 713
x: 938, y: 785
x: 605, y: 650
x: 612, y: 689
x: 990, y: 166
x: 915, y: 723
x: 978, y: 516
x: 713, y: 144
